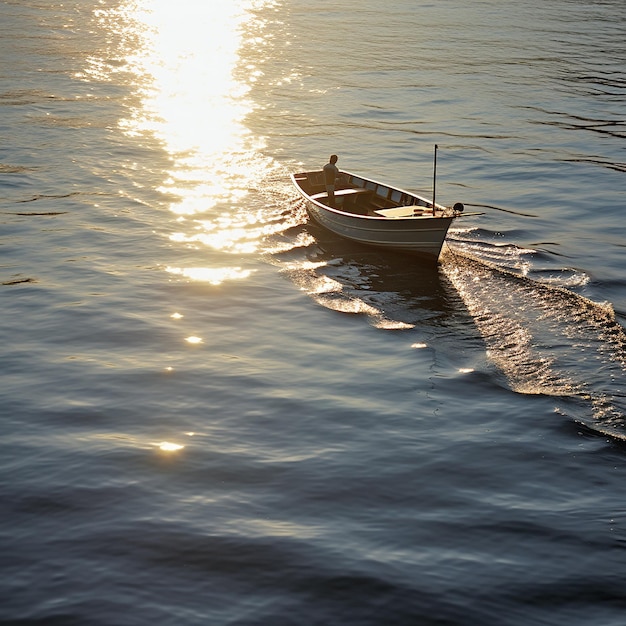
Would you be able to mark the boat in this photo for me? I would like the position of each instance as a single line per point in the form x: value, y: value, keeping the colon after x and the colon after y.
x: 378, y: 214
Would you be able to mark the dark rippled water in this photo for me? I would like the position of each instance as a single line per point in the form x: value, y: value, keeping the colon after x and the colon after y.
x: 213, y: 412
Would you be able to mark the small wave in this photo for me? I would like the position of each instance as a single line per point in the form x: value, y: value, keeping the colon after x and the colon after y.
x: 36, y: 213
x: 618, y: 167
x: 475, y: 244
x: 18, y: 281
x: 60, y: 196
x: 7, y: 168
x: 521, y: 261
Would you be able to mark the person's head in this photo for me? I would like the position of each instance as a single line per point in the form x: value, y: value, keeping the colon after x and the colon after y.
x: 333, y: 158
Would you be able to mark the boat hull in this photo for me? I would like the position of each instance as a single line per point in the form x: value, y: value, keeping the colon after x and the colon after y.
x: 421, y: 237
x: 420, y: 233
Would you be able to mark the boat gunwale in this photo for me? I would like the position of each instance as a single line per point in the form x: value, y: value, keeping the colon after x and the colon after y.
x: 383, y: 218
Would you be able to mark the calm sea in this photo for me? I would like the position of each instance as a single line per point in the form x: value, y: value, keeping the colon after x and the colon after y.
x: 214, y: 412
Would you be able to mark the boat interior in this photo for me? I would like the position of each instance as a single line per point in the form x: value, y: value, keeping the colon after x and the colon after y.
x: 364, y: 197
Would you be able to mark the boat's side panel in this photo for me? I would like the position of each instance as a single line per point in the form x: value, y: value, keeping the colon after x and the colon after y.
x: 417, y: 236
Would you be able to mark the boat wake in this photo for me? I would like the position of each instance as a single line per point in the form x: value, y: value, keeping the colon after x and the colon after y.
x: 543, y: 336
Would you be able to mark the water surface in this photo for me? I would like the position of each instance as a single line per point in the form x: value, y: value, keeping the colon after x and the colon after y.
x: 215, y: 412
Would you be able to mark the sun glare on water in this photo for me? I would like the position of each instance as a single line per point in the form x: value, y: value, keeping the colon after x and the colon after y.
x: 168, y: 446
x: 192, y: 97
x: 191, y: 100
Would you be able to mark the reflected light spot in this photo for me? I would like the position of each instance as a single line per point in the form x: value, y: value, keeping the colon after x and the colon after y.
x: 303, y: 240
x: 466, y: 370
x: 418, y: 346
x: 193, y: 339
x: 308, y: 265
x: 212, y: 275
x: 346, y: 305
x: 167, y: 446
x: 325, y: 285
x: 236, y: 234
x: 386, y: 324
x: 176, y: 316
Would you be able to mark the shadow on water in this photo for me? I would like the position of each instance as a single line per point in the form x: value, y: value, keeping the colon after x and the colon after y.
x: 394, y: 291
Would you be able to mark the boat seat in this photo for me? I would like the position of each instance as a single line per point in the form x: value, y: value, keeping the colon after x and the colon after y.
x: 339, y: 193
x: 405, y: 211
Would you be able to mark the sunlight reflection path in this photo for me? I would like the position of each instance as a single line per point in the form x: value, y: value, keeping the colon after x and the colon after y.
x: 186, y: 64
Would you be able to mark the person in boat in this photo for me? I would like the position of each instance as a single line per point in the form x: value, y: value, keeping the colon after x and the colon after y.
x: 331, y: 177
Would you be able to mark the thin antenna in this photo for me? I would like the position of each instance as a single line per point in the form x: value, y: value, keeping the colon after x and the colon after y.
x: 435, y: 178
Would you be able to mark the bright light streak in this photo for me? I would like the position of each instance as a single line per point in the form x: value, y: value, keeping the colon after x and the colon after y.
x: 168, y: 446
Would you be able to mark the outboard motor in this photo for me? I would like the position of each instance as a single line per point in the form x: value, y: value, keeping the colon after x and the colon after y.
x: 458, y: 207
